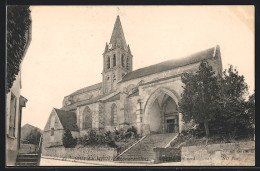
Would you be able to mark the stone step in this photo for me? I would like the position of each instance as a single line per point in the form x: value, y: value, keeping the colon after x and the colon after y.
x: 27, y: 159
x: 143, y: 151
x: 27, y: 155
x: 26, y: 164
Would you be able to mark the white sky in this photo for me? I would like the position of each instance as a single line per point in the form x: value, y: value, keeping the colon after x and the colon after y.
x: 65, y: 53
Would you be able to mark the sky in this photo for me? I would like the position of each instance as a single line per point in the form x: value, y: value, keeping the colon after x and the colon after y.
x: 65, y: 53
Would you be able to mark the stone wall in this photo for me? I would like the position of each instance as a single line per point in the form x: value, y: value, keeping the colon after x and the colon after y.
x: 28, y: 148
x: 81, y: 153
x: 55, y: 140
x: 167, y: 155
x: 221, y: 154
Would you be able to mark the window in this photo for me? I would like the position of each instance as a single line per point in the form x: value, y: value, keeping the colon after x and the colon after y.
x: 12, y: 122
x: 87, y: 118
x: 108, y: 62
x: 114, y: 60
x: 114, y: 114
x: 52, y: 131
x: 127, y: 63
x: 123, y: 60
x: 114, y: 77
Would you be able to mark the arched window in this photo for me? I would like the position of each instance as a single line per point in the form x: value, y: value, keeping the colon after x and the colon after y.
x: 108, y: 62
x: 127, y: 63
x: 114, y: 114
x: 114, y: 77
x: 123, y: 60
x: 87, y: 118
x: 114, y: 60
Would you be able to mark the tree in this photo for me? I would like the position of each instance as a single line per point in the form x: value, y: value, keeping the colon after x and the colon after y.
x: 68, y: 140
x: 18, y: 25
x: 200, y: 92
x: 251, y: 109
x: 33, y: 137
x: 234, y: 117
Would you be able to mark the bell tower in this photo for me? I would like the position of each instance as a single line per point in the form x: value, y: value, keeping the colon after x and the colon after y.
x: 117, y: 59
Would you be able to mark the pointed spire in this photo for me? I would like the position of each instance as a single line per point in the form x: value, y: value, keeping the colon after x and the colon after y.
x: 118, y: 38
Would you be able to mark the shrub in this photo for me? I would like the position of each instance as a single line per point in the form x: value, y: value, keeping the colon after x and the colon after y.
x: 92, y: 139
x: 68, y: 140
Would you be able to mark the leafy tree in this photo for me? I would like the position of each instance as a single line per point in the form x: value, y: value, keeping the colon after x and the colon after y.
x: 68, y: 140
x: 33, y: 137
x: 200, y: 92
x: 233, y: 90
x: 18, y: 24
x: 251, y: 109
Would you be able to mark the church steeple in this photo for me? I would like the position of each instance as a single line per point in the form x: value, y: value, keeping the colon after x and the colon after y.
x: 117, y: 39
x: 117, y: 58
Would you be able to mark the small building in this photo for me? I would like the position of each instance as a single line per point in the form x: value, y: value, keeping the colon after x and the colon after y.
x: 27, y: 129
x: 58, y: 121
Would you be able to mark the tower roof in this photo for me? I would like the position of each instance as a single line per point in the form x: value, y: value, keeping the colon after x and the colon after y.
x: 118, y: 39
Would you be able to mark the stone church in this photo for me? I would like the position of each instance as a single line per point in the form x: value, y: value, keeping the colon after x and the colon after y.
x: 146, y: 98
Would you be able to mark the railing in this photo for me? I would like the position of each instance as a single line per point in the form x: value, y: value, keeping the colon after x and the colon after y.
x: 39, y: 151
x: 127, y: 147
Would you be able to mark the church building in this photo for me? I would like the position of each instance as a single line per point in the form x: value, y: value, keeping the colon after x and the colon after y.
x: 146, y: 98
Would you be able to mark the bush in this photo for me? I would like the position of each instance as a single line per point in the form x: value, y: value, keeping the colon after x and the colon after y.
x: 33, y: 137
x: 68, y: 140
x: 93, y: 139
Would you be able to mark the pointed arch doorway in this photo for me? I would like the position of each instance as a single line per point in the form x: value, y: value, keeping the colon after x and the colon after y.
x: 161, y: 112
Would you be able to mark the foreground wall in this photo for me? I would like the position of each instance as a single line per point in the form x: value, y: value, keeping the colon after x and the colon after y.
x: 81, y: 153
x: 242, y: 153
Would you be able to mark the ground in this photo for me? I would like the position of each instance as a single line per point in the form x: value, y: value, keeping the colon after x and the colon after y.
x: 59, y: 162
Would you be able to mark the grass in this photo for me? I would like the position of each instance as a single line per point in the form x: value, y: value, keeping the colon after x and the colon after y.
x: 190, y: 140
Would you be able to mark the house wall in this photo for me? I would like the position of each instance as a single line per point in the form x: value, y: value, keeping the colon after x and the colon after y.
x: 56, y: 139
x: 12, y: 142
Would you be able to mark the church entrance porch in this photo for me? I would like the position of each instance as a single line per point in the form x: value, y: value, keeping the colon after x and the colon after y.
x: 161, y: 114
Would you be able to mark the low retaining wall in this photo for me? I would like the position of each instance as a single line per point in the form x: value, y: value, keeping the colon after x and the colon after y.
x: 81, y: 153
x: 221, y: 153
x: 167, y: 155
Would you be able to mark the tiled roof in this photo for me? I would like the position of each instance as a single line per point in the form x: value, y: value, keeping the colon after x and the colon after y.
x: 170, y: 64
x: 67, y: 119
x: 86, y: 89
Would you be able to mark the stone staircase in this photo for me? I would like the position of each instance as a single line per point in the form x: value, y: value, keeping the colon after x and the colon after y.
x: 27, y: 159
x: 143, y: 150
x: 30, y: 159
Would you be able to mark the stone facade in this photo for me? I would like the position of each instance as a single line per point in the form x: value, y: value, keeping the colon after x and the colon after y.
x: 146, y: 98
x: 54, y: 130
